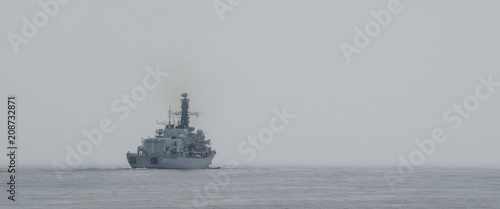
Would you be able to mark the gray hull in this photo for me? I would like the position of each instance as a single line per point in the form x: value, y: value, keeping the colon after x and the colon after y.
x: 185, y: 163
x: 138, y: 161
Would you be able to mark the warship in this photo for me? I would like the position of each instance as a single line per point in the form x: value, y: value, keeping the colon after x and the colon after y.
x: 174, y: 146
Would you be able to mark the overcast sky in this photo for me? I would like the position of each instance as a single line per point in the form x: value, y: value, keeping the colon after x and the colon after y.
x: 263, y: 55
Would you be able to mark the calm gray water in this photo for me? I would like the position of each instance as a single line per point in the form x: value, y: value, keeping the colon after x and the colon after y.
x: 255, y: 187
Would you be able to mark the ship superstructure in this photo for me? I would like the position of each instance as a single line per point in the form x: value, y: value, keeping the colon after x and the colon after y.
x: 176, y: 146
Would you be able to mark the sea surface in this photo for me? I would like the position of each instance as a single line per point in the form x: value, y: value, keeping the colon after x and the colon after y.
x: 254, y: 187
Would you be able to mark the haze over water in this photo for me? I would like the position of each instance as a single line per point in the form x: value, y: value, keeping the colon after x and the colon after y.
x: 420, y: 87
x: 258, y: 187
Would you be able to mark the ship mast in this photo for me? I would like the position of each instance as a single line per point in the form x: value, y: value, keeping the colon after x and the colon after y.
x: 184, y: 113
x: 169, y: 113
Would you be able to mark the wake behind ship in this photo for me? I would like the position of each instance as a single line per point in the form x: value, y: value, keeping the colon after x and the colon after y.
x: 174, y: 146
